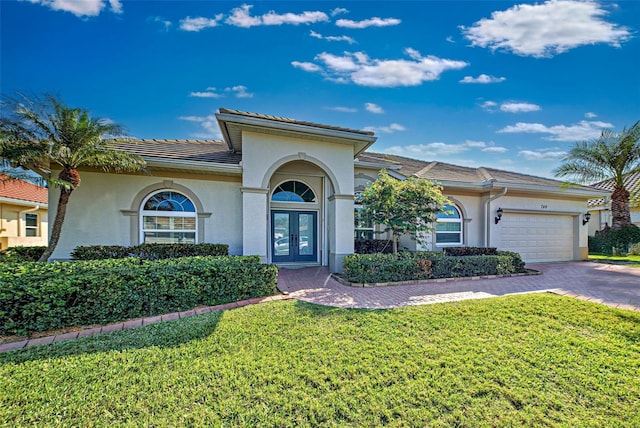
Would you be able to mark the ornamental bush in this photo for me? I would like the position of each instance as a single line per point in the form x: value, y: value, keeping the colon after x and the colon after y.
x: 372, y: 246
x: 148, y: 251
x: 471, y: 251
x: 411, y: 266
x: 45, y: 296
x: 21, y: 254
x: 617, y: 242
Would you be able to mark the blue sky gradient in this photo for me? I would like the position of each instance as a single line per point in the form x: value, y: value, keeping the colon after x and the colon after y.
x: 504, y: 84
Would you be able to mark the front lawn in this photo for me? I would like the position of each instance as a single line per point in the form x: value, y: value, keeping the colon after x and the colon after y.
x: 632, y: 261
x: 528, y: 360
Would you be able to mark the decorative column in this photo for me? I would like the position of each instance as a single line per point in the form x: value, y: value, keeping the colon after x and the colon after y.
x: 255, y: 229
x: 340, y: 230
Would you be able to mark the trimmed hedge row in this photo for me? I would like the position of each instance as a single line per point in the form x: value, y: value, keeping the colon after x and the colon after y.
x: 22, y: 254
x: 616, y: 242
x: 371, y: 268
x: 470, y: 251
x: 372, y: 246
x: 46, y: 296
x: 148, y: 251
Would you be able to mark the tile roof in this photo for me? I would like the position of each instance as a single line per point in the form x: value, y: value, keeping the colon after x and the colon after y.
x: 215, y: 151
x: 23, y: 191
x: 294, y: 121
x: 631, y: 183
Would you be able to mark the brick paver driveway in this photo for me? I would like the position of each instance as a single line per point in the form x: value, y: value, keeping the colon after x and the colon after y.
x: 612, y: 284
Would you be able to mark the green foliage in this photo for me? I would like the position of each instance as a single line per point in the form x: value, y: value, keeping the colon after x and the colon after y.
x: 148, y: 251
x: 45, y: 296
x: 21, y: 254
x: 372, y: 246
x: 471, y: 251
x: 534, y: 360
x: 615, y: 241
x: 409, y: 266
x: 403, y: 206
x: 634, y: 250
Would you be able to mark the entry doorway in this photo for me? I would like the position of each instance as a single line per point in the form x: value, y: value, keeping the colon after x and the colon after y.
x: 294, y: 236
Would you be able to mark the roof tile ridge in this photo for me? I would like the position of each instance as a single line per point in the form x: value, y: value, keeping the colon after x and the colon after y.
x: 484, y: 174
x: 425, y: 169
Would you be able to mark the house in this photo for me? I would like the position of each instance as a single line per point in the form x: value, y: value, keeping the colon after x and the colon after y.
x: 23, y: 213
x: 600, y: 208
x: 284, y: 190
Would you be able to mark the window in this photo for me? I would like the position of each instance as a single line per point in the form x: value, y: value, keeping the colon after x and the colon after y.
x: 168, y: 217
x: 31, y: 224
x: 363, y: 228
x: 293, y: 191
x: 449, y: 226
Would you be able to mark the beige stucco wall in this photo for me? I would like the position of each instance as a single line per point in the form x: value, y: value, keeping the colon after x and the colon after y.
x: 600, y: 217
x: 100, y: 211
x: 12, y: 225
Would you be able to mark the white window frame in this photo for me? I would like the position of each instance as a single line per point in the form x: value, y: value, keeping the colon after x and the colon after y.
x: 151, y: 213
x: 459, y: 220
x: 356, y: 208
x: 36, y: 228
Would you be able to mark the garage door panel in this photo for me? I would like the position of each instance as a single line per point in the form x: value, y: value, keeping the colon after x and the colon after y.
x: 538, y: 237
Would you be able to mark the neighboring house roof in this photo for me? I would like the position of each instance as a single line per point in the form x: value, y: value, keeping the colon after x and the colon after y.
x: 444, y: 172
x: 631, y: 183
x: 23, y: 191
x: 184, y: 150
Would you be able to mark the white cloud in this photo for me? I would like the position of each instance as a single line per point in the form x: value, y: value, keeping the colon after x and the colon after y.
x: 240, y: 91
x: 584, y: 130
x: 543, y: 30
x: 590, y: 115
x: 537, y: 155
x: 338, y: 11
x: 489, y: 105
x: 358, y: 68
x: 306, y: 66
x: 347, y: 39
x: 483, y: 78
x: 344, y: 109
x: 373, y: 108
x: 450, y: 39
x: 200, y: 23
x: 495, y: 149
x: 394, y: 127
x: 241, y: 17
x: 426, y: 151
x: 209, y: 93
x: 208, y: 123
x: 116, y: 6
x: 79, y: 8
x: 166, y: 24
x: 514, y: 107
x: 371, y: 22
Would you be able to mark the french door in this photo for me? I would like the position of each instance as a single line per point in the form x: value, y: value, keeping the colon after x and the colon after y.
x: 294, y: 236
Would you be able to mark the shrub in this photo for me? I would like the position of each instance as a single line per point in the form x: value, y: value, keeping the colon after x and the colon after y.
x: 45, y: 296
x: 614, y: 241
x: 634, y: 250
x: 409, y: 266
x: 148, y: 251
x: 373, y: 246
x: 471, y: 251
x: 22, y: 254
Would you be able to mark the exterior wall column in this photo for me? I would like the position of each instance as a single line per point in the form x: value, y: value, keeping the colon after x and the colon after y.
x: 255, y: 225
x: 340, y: 230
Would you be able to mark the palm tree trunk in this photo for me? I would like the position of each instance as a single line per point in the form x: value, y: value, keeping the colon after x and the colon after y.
x: 57, y: 224
x: 620, y: 216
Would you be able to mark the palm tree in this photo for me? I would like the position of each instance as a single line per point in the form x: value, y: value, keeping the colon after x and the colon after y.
x: 44, y: 134
x: 611, y: 156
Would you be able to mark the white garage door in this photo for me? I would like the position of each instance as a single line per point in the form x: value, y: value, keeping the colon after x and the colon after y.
x: 538, y: 237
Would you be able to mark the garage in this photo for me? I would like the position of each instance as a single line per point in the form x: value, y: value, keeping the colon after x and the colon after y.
x: 538, y: 237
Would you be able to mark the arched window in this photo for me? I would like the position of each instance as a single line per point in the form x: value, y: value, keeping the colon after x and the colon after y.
x: 168, y: 217
x: 449, y: 226
x: 293, y: 191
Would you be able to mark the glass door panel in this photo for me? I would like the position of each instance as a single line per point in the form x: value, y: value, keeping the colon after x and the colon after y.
x: 294, y: 235
x: 281, y: 234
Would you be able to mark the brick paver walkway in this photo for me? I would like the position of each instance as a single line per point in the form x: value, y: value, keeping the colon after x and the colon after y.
x: 614, y: 285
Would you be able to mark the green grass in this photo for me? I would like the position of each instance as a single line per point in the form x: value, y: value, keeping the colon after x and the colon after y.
x: 529, y: 360
x: 632, y: 261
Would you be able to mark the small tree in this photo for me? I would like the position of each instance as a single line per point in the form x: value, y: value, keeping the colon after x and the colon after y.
x: 406, y: 206
x: 38, y: 134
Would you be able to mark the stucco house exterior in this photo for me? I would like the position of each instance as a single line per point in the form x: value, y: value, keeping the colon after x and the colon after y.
x: 23, y: 214
x: 600, y: 208
x: 284, y: 190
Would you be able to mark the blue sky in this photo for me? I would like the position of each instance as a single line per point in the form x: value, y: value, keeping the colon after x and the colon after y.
x: 504, y: 84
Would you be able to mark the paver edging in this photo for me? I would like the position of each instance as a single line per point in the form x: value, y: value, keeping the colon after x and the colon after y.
x: 343, y: 281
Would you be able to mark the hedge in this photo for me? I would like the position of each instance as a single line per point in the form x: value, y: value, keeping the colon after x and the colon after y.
x: 45, y: 296
x: 22, y: 254
x: 471, y: 251
x: 372, y: 246
x: 409, y: 266
x: 617, y: 242
x: 148, y: 251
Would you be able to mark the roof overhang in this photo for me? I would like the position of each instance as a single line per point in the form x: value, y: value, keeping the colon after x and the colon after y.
x: 233, y: 125
x: 193, y: 166
x: 24, y: 202
x: 486, y: 186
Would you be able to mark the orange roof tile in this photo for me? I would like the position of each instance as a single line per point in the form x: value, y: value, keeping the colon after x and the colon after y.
x: 23, y: 190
